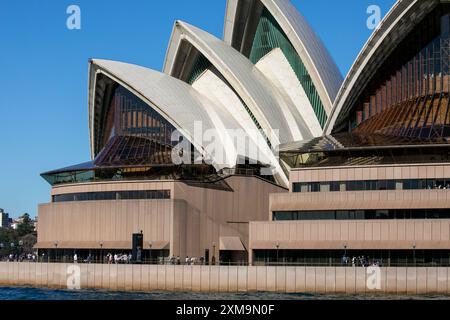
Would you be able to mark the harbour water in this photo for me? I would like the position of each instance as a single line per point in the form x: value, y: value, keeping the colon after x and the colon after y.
x: 25, y: 293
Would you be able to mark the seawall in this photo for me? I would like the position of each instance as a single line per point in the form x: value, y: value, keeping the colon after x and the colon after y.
x: 357, y: 280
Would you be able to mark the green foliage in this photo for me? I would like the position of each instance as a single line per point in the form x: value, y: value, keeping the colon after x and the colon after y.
x: 26, y: 227
x: 8, y: 236
x: 23, y: 238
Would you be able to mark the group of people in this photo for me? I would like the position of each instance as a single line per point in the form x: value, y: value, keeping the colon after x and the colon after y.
x: 21, y: 258
x: 439, y: 187
x: 118, y: 258
x: 87, y: 260
x: 360, y: 261
x: 187, y: 260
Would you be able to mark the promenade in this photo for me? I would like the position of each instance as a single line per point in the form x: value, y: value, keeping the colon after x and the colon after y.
x: 196, y: 278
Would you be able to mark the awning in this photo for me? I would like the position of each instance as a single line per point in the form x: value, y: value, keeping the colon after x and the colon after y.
x: 120, y: 245
x: 231, y: 244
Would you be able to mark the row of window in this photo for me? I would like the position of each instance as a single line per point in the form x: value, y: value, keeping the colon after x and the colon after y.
x: 383, y: 258
x: 365, y: 185
x: 113, y: 195
x: 362, y: 214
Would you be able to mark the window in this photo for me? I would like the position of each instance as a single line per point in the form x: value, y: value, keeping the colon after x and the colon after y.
x: 315, y: 187
x: 363, y: 214
x: 381, y: 185
x: 335, y: 186
x: 351, y: 186
x: 324, y: 187
x: 342, y: 215
x: 371, y: 185
x: 113, y: 195
x: 390, y: 184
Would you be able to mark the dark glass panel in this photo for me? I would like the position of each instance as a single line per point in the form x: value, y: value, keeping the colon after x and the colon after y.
x: 113, y: 195
x: 335, y: 186
x: 363, y: 214
x: 390, y: 185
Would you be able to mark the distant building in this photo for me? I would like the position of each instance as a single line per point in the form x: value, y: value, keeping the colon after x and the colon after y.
x: 14, y: 224
x: 4, y: 219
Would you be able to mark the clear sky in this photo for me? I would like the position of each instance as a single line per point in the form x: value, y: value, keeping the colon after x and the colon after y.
x: 43, y: 71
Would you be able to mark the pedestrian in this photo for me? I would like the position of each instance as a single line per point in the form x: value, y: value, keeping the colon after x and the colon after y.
x: 178, y: 260
x: 115, y: 258
x: 75, y: 258
x: 187, y: 260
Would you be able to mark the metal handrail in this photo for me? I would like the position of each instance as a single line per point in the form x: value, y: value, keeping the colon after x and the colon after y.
x: 166, y: 261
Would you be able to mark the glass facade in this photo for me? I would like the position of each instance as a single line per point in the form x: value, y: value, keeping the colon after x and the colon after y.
x: 199, y: 173
x: 112, y: 195
x: 269, y: 35
x: 409, y: 93
x: 127, y: 116
x: 201, y: 64
x: 362, y: 214
x: 383, y: 258
x: 138, y: 146
x: 370, y: 185
x: 135, y: 118
x: 353, y: 149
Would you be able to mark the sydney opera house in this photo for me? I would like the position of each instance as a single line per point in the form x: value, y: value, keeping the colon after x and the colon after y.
x: 254, y: 149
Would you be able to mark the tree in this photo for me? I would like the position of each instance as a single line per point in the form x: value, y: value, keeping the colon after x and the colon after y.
x: 28, y: 242
x: 26, y: 226
x: 7, y: 236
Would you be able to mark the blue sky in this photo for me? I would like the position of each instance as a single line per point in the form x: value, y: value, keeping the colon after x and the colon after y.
x: 43, y: 71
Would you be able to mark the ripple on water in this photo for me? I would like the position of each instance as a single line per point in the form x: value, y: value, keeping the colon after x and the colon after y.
x: 22, y: 293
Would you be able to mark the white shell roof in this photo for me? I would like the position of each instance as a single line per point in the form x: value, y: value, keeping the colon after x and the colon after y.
x: 250, y: 84
x: 323, y: 71
x: 174, y: 99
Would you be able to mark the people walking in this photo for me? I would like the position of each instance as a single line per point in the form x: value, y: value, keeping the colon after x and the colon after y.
x: 75, y: 258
